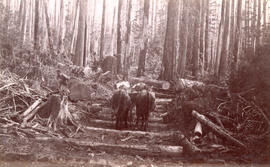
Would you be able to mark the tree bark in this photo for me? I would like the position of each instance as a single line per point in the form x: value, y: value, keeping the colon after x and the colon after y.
x: 206, y: 38
x: 119, y: 42
x: 62, y: 27
x: 48, y: 26
x: 143, y: 51
x: 127, y: 40
x: 258, y: 29
x: 237, y: 36
x: 220, y: 35
x: 224, y: 49
x: 102, y: 31
x: 196, y: 42
x: 169, y: 53
x: 36, y: 37
x: 202, y: 31
x: 184, y: 33
x: 79, y: 52
x: 75, y: 28
x: 232, y: 34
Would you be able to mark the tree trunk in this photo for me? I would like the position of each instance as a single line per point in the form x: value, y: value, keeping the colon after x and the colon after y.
x: 119, y: 42
x: 36, y: 35
x: 264, y: 14
x: 92, y: 30
x: 220, y: 35
x: 183, y: 35
x: 102, y: 31
x: 237, y: 36
x: 202, y: 31
x: 62, y: 27
x: 79, y: 52
x: 253, y: 28
x: 75, y: 28
x: 206, y: 38
x: 143, y: 51
x: 169, y: 53
x: 224, y: 49
x: 24, y: 22
x: 48, y: 26
x: 232, y: 34
x: 127, y: 40
x: 258, y: 32
x: 196, y: 42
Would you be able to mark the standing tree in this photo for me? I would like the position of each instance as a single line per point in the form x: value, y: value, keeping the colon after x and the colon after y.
x: 196, y: 42
x: 127, y: 39
x: 236, y: 37
x: 143, y: 51
x: 62, y: 27
x: 119, y: 42
x: 183, y: 35
x: 102, y: 31
x: 36, y: 40
x: 169, y: 53
x: 79, y: 51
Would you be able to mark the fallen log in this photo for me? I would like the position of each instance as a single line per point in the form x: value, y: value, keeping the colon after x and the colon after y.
x: 218, y: 130
x: 156, y: 83
x: 142, y: 150
x: 110, y: 124
x: 166, y: 136
x: 185, y: 83
x: 32, y: 107
x: 163, y: 95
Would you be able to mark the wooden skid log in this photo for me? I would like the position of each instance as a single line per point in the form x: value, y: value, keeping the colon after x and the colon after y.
x: 142, y: 150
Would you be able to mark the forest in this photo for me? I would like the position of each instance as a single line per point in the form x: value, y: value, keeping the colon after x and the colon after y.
x: 134, y: 82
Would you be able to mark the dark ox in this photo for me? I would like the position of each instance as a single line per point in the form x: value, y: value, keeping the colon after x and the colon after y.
x: 121, y: 104
x: 145, y: 103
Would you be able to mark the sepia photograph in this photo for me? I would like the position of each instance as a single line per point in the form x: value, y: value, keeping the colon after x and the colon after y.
x: 134, y: 83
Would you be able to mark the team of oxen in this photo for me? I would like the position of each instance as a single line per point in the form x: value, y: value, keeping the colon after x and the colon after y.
x: 124, y: 100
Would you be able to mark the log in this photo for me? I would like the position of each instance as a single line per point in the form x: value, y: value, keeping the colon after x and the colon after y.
x: 165, y: 96
x: 32, y: 107
x: 185, y: 83
x: 30, y: 115
x: 141, y: 150
x: 110, y: 124
x: 111, y: 132
x: 218, y: 130
x: 156, y: 83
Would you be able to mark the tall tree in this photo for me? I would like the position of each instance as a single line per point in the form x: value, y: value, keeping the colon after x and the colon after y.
x: 102, y: 30
x: 169, y: 54
x: 196, y: 42
x: 183, y: 35
x: 48, y: 25
x: 127, y: 39
x: 143, y: 51
x: 79, y: 51
x: 237, y: 37
x: 62, y: 27
x: 220, y: 35
x: 36, y: 39
x: 224, y: 49
x: 93, y: 28
x: 119, y: 42
x: 258, y: 32
x: 206, y: 59
x: 202, y: 31
x: 232, y: 31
